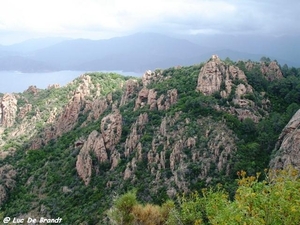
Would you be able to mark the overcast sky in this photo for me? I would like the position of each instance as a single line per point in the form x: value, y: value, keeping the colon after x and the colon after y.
x: 99, y: 19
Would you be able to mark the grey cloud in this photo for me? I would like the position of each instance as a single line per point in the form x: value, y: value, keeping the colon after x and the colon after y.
x: 269, y: 17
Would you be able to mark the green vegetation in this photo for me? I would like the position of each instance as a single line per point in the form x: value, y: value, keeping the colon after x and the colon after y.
x: 47, y: 180
x: 274, y: 200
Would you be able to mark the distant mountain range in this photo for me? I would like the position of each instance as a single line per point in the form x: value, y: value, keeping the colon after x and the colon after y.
x: 137, y: 53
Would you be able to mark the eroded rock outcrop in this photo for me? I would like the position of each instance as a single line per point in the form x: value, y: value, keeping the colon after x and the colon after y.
x: 93, y: 145
x: 231, y: 84
x: 215, y: 74
x: 53, y: 86
x: 136, y: 131
x: 111, y: 129
x: 8, y: 110
x: 151, y: 76
x: 164, y: 102
x: 99, y: 144
x: 81, y: 102
x: 130, y: 90
x: 32, y: 90
x: 287, y: 150
x: 149, y: 97
x: 24, y: 110
x: 270, y: 70
x: 130, y: 168
x: 142, y: 98
x: 174, y: 148
x: 95, y: 108
x: 71, y: 112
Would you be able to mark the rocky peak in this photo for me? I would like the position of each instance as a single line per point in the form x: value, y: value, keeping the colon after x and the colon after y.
x: 287, y: 149
x: 53, y: 86
x: 85, y: 85
x: 215, y: 74
x: 217, y: 77
x: 32, y: 89
x: 80, y: 102
x: 130, y: 89
x: 215, y: 58
x: 150, y: 77
x: 71, y: 112
x: 271, y: 71
x: 8, y: 110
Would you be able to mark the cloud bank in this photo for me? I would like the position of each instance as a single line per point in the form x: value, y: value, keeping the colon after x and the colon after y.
x: 98, y: 19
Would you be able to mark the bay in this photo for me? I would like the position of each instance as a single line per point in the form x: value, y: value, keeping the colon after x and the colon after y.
x: 15, y: 82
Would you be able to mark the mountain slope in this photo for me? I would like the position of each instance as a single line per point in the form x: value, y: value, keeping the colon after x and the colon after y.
x: 123, y: 52
x: 172, y: 131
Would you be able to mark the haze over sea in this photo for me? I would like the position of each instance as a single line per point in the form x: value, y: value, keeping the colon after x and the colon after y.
x: 14, y: 81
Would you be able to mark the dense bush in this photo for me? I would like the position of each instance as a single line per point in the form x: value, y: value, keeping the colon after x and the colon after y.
x: 274, y: 200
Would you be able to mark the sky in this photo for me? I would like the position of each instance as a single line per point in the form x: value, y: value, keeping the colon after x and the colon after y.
x: 101, y: 19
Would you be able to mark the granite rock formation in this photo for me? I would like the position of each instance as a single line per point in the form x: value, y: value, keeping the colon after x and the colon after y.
x: 287, y: 149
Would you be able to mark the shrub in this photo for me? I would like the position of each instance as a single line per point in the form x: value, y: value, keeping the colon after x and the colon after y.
x: 121, y: 212
x: 275, y: 200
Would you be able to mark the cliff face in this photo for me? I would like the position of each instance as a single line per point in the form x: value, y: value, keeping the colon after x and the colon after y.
x: 93, y: 145
x: 8, y: 110
x: 287, y: 150
x: 102, y: 145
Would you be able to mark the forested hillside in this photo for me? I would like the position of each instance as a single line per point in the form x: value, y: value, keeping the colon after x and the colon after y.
x: 176, y: 139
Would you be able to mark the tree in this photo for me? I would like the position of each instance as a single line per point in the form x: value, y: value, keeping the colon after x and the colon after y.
x: 265, y: 59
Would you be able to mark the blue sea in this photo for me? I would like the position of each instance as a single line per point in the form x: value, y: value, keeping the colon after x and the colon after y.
x: 15, y: 82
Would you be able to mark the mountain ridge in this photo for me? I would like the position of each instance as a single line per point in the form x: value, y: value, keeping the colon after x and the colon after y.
x: 142, y: 51
x: 172, y: 131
